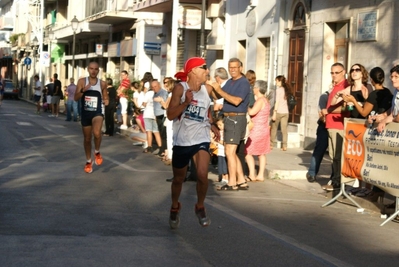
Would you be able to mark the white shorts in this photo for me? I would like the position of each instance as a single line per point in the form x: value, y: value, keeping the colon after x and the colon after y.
x: 48, y: 98
x: 123, y: 102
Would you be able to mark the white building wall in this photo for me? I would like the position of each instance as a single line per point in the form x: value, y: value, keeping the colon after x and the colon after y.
x: 246, y: 30
x: 368, y: 53
x: 147, y: 31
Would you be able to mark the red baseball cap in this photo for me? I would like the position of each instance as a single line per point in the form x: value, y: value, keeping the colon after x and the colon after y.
x: 191, y: 63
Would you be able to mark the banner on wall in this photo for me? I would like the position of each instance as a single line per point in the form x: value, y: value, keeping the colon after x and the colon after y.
x: 371, y: 156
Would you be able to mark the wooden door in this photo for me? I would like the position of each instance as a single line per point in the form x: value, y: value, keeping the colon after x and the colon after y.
x: 295, y: 71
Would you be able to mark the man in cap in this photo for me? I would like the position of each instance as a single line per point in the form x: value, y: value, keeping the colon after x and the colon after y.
x: 189, y: 109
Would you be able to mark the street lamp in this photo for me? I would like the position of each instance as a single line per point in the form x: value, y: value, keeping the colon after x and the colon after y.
x: 74, y: 25
x: 50, y: 39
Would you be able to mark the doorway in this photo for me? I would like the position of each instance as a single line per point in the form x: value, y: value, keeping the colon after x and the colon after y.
x: 295, y: 71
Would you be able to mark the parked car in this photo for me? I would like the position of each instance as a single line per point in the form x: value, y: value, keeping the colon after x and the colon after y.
x: 10, y: 89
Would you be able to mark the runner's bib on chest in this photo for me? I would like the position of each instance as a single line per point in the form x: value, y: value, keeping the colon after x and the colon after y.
x: 195, y: 111
x: 91, y: 103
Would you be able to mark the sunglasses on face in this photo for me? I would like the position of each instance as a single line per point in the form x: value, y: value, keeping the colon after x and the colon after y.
x: 203, y: 67
x: 357, y: 70
x: 336, y: 72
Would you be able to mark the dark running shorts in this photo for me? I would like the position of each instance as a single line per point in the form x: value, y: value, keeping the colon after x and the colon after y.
x: 87, y: 118
x: 182, y: 154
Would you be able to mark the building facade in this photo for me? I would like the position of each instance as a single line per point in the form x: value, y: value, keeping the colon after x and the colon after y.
x: 299, y: 39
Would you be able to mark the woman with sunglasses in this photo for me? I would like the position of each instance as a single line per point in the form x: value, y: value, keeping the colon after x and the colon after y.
x: 378, y: 100
x: 357, y: 88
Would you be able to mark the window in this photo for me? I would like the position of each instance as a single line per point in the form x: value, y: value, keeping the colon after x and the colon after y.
x: 299, y: 15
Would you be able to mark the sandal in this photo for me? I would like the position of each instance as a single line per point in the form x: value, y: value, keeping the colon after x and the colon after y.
x: 243, y: 186
x: 147, y: 150
x: 249, y: 179
x: 227, y: 188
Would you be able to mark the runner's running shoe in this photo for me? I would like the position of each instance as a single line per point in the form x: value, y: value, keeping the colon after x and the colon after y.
x: 174, y: 218
x: 201, y: 215
x: 89, y: 167
x: 98, y: 159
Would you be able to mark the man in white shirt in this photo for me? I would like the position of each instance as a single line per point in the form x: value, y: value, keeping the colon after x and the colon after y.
x: 38, y: 93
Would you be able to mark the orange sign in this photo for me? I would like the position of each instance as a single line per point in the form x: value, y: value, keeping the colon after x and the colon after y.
x: 353, y: 150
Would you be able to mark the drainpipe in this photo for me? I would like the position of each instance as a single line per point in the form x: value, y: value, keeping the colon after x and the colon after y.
x: 173, y: 42
x: 202, y: 41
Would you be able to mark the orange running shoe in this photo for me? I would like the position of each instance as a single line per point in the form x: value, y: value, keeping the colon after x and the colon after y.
x: 98, y: 159
x: 89, y: 167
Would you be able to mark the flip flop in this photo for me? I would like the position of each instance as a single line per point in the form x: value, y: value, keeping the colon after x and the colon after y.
x: 249, y: 179
x: 243, y: 186
x: 227, y: 188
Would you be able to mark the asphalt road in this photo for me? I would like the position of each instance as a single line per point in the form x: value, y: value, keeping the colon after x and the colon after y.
x: 54, y: 214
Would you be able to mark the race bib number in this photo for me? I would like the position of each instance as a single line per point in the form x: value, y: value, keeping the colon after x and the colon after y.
x: 195, y: 113
x: 91, y: 103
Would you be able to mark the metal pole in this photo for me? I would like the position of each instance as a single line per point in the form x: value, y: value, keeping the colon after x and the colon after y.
x: 202, y: 41
x: 50, y: 69
x: 41, y: 38
x: 173, y: 42
x: 73, y: 55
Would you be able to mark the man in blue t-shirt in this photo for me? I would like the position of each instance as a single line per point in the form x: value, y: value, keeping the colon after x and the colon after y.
x: 236, y: 100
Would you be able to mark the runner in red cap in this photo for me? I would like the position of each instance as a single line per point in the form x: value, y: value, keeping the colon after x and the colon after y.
x: 192, y: 124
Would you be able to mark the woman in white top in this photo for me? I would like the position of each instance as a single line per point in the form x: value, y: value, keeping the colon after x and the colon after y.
x: 280, y: 112
x: 138, y: 99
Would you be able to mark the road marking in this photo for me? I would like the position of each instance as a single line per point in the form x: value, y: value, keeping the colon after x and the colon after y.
x: 321, y: 256
x: 128, y: 167
x: 266, y: 198
x: 22, y: 123
x: 56, y: 126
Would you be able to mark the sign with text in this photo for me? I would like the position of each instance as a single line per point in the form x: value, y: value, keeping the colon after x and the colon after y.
x: 371, y: 156
x: 367, y: 26
x: 152, y: 48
